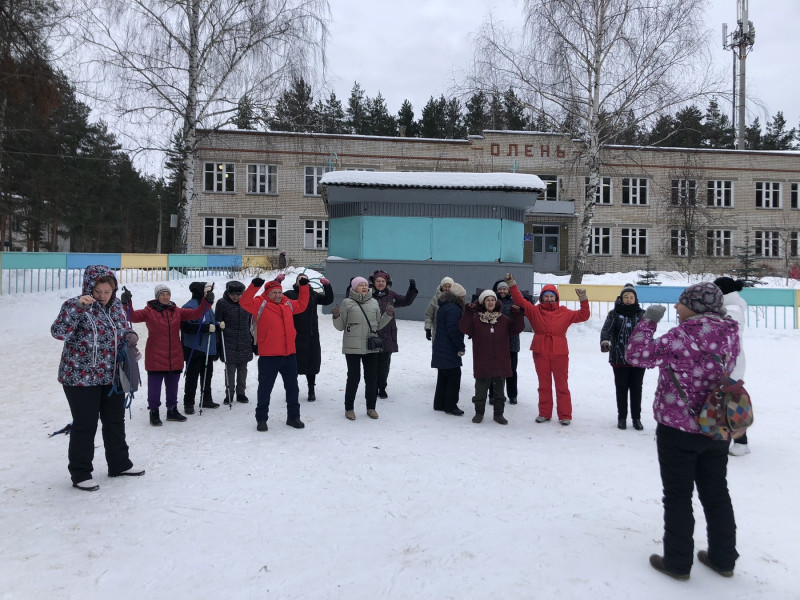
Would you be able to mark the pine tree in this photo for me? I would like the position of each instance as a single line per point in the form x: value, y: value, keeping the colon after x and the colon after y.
x: 752, y: 135
x: 717, y: 129
x: 777, y: 136
x: 477, y: 117
x: 746, y: 259
x: 432, y: 123
x: 330, y: 115
x: 294, y: 110
x: 405, y: 118
x: 356, y: 119
x: 496, y: 116
x: 689, y: 128
x: 649, y: 277
x: 379, y: 121
x: 663, y: 131
x: 245, y: 117
x: 454, y: 128
x: 514, y: 112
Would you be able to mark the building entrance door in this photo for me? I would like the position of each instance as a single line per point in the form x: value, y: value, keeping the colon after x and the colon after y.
x: 546, y: 251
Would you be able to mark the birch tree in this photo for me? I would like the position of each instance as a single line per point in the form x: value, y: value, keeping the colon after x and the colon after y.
x: 176, y: 66
x: 576, y: 60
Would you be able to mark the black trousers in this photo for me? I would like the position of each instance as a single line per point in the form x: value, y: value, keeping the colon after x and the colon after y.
x: 86, y: 405
x: 628, y: 380
x: 354, y: 362
x: 686, y: 460
x: 511, y: 382
x: 195, y: 368
x: 448, y: 384
x: 384, y: 364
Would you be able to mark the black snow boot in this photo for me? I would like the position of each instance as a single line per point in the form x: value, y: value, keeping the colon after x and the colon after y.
x: 174, y: 415
x: 155, y: 419
x: 242, y: 398
x: 382, y: 393
x: 480, y: 409
x: 311, y: 395
x: 208, y: 402
x: 499, y: 405
x: 188, y: 409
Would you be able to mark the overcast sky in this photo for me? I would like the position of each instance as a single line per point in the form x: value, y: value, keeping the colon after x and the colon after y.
x: 415, y: 49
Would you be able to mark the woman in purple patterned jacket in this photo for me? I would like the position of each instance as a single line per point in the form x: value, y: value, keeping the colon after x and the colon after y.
x: 691, y: 358
x: 94, y: 329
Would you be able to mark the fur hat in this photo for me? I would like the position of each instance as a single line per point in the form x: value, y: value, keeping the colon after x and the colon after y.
x: 196, y: 288
x: 234, y: 287
x: 702, y: 297
x: 485, y: 294
x: 628, y: 287
x: 458, y: 290
x: 728, y: 285
x: 160, y: 289
x: 356, y: 281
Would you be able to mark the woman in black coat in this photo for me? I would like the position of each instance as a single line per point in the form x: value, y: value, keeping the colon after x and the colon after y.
x: 448, y: 348
x: 306, y: 324
x: 234, y: 323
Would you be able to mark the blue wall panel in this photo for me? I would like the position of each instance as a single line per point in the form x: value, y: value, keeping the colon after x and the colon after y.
x: 224, y: 260
x: 472, y: 240
x: 396, y: 238
x: 81, y: 260
x: 511, y: 241
x: 345, y: 237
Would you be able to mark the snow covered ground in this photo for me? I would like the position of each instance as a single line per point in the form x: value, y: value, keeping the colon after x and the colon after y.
x: 414, y: 505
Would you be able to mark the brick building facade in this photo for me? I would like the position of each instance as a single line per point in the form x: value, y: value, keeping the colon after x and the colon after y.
x: 259, y: 194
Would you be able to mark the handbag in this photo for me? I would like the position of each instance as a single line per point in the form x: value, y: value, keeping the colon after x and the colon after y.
x: 373, y: 341
x: 727, y: 411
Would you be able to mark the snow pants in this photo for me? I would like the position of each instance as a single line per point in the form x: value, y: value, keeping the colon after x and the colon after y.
x: 268, y: 369
x: 87, y: 404
x: 685, y: 460
x: 549, y: 369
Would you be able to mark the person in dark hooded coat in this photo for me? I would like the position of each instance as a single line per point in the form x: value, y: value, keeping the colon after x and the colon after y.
x: 614, y: 337
x: 381, y: 284
x: 235, y: 341
x: 306, y: 325
x: 199, y: 338
x: 448, y: 348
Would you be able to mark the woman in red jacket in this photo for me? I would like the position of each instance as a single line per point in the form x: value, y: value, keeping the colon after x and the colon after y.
x: 550, y: 322
x: 277, y: 353
x: 163, y: 354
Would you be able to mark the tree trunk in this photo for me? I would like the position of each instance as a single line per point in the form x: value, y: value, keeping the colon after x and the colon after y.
x: 190, y: 129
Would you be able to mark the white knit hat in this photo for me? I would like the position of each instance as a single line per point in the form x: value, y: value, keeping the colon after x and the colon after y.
x: 485, y: 294
x: 458, y: 290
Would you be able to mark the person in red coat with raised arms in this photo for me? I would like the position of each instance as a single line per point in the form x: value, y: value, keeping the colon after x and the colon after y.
x: 163, y: 354
x: 550, y: 322
x: 274, y: 314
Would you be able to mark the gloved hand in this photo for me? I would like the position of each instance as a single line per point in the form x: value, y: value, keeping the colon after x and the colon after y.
x: 412, y: 285
x: 211, y: 328
x: 258, y: 282
x: 462, y: 352
x: 581, y: 293
x: 605, y: 346
x: 126, y: 297
x: 221, y: 324
x: 390, y: 310
x: 303, y: 281
x: 654, y: 312
x: 428, y: 334
x: 280, y: 277
x: 509, y: 279
x: 209, y: 297
x: 336, y: 311
x: 324, y: 281
x: 516, y: 309
x: 208, y: 288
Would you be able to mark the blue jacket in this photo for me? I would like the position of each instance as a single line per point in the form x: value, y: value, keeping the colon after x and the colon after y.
x: 449, y: 340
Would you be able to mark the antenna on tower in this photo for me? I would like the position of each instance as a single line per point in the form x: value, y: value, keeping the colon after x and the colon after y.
x: 740, y: 42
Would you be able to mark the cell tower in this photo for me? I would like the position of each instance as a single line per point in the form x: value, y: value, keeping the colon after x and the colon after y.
x: 740, y: 42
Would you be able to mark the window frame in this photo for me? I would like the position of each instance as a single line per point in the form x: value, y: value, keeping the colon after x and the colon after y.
x: 315, y: 176
x: 716, y: 243
x: 719, y: 193
x: 600, y: 237
x: 767, y: 243
x: 220, y: 177
x: 765, y: 198
x: 632, y: 191
x: 681, y: 243
x: 604, y: 195
x: 261, y: 230
x: 684, y: 189
x: 632, y: 238
x: 221, y: 227
x: 547, y: 179
x: 268, y: 179
x: 319, y: 229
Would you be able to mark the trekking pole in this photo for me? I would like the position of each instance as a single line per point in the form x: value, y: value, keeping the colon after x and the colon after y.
x: 225, y: 361
x: 205, y: 369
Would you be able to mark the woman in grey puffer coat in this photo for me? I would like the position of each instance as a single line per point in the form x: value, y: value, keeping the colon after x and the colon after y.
x: 359, y: 317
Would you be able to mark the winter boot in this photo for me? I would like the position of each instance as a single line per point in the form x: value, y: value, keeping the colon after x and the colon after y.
x: 228, y: 399
x: 637, y: 424
x: 621, y: 424
x: 499, y: 405
x: 208, y: 402
x: 480, y: 409
x: 188, y: 409
x: 382, y: 393
x: 174, y: 415
x: 155, y: 419
x: 242, y: 398
x: 311, y: 395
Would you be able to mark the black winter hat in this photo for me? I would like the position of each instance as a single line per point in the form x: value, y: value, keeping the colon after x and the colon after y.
x: 234, y: 287
x: 728, y: 285
x: 196, y: 288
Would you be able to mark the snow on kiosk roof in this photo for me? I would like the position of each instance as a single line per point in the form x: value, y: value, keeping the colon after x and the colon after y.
x: 516, y: 182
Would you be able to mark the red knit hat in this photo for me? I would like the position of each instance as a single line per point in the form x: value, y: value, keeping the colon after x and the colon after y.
x: 271, y: 285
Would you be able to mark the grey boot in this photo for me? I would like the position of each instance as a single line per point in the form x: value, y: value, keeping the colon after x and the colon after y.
x: 499, y: 405
x: 480, y: 408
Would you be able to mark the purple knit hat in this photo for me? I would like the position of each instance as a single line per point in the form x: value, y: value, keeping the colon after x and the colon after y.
x: 702, y: 297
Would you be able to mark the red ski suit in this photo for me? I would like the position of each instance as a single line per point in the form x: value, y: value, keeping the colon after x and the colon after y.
x: 550, y: 322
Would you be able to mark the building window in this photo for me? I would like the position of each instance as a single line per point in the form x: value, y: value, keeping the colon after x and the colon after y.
x: 313, y: 175
x: 634, y: 240
x: 219, y: 177
x: 634, y: 190
x: 602, y: 194
x: 682, y: 244
x: 684, y: 192
x: 768, y: 244
x: 262, y: 233
x: 794, y: 191
x: 551, y: 186
x: 218, y: 232
x: 316, y: 237
x: 793, y: 244
x: 718, y: 242
x: 262, y: 179
x: 720, y: 194
x: 768, y: 194
x: 600, y: 241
